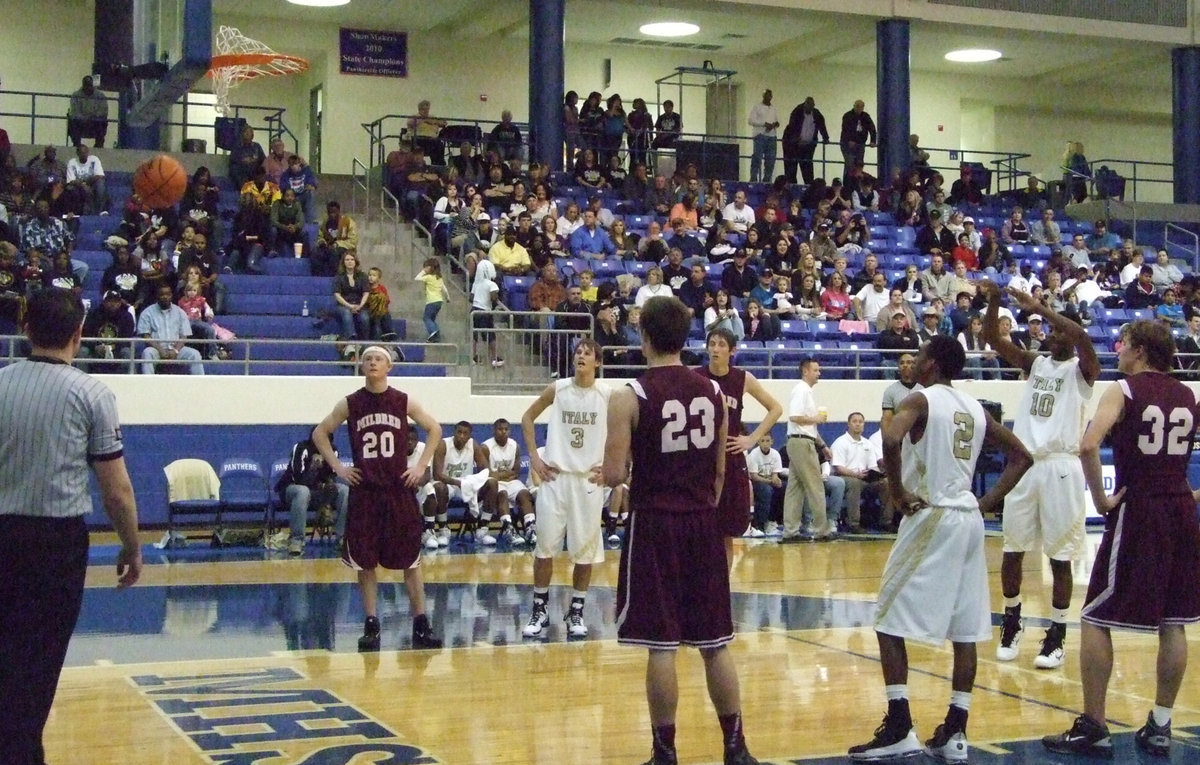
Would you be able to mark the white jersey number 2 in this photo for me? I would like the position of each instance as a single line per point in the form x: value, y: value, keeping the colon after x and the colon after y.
x: 676, y: 434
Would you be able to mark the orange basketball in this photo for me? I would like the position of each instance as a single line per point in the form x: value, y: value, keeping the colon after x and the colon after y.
x: 160, y: 182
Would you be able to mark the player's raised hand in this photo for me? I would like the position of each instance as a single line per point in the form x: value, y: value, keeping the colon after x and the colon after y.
x: 988, y: 288
x: 1024, y: 300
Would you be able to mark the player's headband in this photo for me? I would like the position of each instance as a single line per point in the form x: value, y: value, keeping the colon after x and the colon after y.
x: 376, y: 349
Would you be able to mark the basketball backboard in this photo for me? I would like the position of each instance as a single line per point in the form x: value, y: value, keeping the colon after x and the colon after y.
x: 174, y: 33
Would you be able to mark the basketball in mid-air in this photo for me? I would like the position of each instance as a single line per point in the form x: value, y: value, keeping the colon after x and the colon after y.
x: 160, y: 181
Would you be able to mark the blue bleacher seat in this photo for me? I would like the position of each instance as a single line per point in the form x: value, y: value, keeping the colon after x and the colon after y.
x: 1113, y: 316
x: 278, y: 285
x: 606, y: 270
x: 277, y: 305
x: 797, y: 330
x: 1038, y: 250
x: 638, y: 268
x: 286, y: 267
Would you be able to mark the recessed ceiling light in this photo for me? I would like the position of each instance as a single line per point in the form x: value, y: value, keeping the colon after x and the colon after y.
x: 973, y: 55
x: 320, y: 3
x: 669, y: 29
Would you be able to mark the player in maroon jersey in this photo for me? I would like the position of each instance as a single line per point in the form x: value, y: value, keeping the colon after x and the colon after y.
x: 383, y: 524
x: 1147, y: 571
x: 733, y: 508
x: 673, y: 586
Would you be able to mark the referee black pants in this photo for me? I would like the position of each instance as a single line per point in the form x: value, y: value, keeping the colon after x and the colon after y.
x: 42, y: 566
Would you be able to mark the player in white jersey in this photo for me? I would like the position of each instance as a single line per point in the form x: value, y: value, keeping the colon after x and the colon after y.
x: 930, y: 448
x: 571, y: 495
x: 459, y: 468
x: 1047, y: 506
x: 427, y: 498
x: 505, y: 494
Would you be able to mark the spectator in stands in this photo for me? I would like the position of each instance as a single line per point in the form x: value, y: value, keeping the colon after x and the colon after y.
x: 1046, y: 231
x: 485, y: 297
x: 930, y: 320
x: 166, y: 328
x: 659, y: 199
x: 981, y: 359
x: 199, y: 205
x: 836, y: 302
x: 697, y: 293
x: 1170, y: 311
x: 616, y: 174
x: 277, y: 161
x: 963, y: 253
x: 682, y: 239
x: 1101, y: 242
x: 350, y: 293
x: 624, y: 246
x: 674, y: 272
x: 960, y: 315
x: 467, y: 164
x: 525, y: 230
x: 481, y: 239
x: 898, y: 335
x: 542, y: 206
x: 871, y: 299
x: 954, y: 221
x: 686, y: 210
x: 1087, y: 292
x: 896, y: 304
x: 590, y: 239
x: 204, y: 259
x: 251, y: 231
x: 1077, y: 252
x: 45, y: 169
x: 505, y: 138
x: 34, y: 271
x: 1133, y: 266
x: 87, y: 115
x: 124, y: 275
x: 768, y: 227
x: 246, y: 159
x: 60, y: 274
x: 962, y: 282
x: 763, y: 120
x: 568, y: 329
x: 865, y: 197
x: 936, y: 281
x: 964, y: 191
x: 85, y: 181
x: 739, y: 279
x: 604, y: 216
x: 1187, y: 359
x: 378, y: 309
x: 668, y: 127
x: 1033, y: 197
x: 555, y: 246
x: 50, y: 236
x: 717, y: 247
x: 757, y: 323
x: 911, y: 210
x: 722, y: 315
x: 859, y: 463
x: 612, y: 128
x: 109, y: 329
x: 654, y: 287
x: 609, y: 333
x: 445, y: 211
x: 807, y: 298
x: 200, y: 314
x: 300, y: 178
x: 287, y: 225
x: 938, y: 202
x: 766, y: 470
x: 858, y: 132
x: 1077, y: 171
x: 589, y: 173
x: 935, y: 236
x: 591, y: 116
x: 635, y: 188
x: 570, y: 222
x: 850, y: 235
x: 548, y: 291
x: 12, y: 289
x: 509, y: 257
x: 764, y: 290
x: 1140, y: 293
x: 1166, y: 273
x: 738, y: 216
x: 425, y: 131
x: 1016, y: 229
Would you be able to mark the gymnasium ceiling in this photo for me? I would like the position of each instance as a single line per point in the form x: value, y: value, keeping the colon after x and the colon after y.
x: 787, y: 35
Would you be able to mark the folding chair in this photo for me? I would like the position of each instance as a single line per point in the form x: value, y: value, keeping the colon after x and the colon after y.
x: 245, y: 490
x: 193, y: 491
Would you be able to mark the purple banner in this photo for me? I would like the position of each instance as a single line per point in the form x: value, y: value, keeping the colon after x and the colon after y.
x: 373, y: 52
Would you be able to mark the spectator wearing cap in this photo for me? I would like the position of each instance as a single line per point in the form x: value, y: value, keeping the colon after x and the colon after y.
x: 682, y: 239
x: 509, y: 257
x: 1102, y: 241
x: 898, y: 337
x: 1046, y: 231
x: 739, y: 279
x: 964, y: 191
x: 935, y: 236
x: 824, y: 248
x: 590, y: 239
x: 970, y: 230
x: 960, y: 315
x: 108, y: 332
x: 930, y: 319
x: 1166, y: 273
x: 1141, y: 293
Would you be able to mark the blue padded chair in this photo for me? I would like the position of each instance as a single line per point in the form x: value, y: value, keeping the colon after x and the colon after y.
x: 193, y: 496
x: 245, y: 490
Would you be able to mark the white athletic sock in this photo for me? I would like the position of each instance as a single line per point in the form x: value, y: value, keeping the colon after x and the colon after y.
x: 1162, y: 715
x: 961, y: 699
x: 529, y: 518
x: 1058, y: 615
x: 896, y: 692
x: 442, y: 518
x: 1012, y: 602
x: 579, y: 595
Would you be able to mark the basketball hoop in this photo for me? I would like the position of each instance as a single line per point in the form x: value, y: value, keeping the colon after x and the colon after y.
x: 240, y: 58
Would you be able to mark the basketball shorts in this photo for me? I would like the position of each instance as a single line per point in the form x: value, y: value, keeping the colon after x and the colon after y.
x: 1047, y: 506
x: 733, y: 509
x: 383, y: 528
x: 1147, y: 570
x: 673, y: 585
x: 935, y: 585
x: 569, y: 508
x: 511, y: 488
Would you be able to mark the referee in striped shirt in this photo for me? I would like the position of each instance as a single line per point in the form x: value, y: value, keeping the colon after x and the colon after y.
x: 56, y: 423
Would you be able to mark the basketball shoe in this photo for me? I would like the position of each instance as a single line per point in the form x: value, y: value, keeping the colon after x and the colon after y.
x: 1153, y: 738
x: 370, y: 637
x: 1086, y: 736
x: 946, y: 746
x: 443, y: 536
x: 531, y: 534
x: 483, y: 537
x: 507, y: 535
x: 538, y: 622
x: 429, y: 539
x: 741, y: 758
x: 894, y: 739
x: 422, y: 633
x: 1010, y: 634
x: 1051, y: 656
x: 575, y: 626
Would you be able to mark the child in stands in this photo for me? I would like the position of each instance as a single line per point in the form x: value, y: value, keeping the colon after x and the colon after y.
x: 378, y: 303
x: 435, y: 294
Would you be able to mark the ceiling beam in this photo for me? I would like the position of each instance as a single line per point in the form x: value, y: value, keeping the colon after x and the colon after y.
x: 1098, y: 67
x: 821, y: 41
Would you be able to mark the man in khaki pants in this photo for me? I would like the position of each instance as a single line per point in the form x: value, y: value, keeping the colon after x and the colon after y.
x: 804, y: 460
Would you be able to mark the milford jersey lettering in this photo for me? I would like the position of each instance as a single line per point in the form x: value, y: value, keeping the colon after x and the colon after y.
x: 1049, y: 384
x: 580, y: 418
x: 732, y: 402
x: 380, y: 418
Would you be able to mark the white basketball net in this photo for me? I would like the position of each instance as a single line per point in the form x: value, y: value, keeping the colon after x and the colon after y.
x: 230, y: 41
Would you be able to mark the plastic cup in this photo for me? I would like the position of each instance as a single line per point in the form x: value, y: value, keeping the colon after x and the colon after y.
x: 823, y: 413
x: 298, y: 249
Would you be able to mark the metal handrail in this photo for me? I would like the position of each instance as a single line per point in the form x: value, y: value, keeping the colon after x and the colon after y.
x: 1194, y: 250
x: 13, y: 348
x: 360, y: 182
x: 272, y: 119
x: 1133, y: 179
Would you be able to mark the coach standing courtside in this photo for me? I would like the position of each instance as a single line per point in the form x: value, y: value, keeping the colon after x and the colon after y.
x: 55, y: 422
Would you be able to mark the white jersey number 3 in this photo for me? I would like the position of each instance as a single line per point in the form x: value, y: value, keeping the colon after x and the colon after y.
x: 1176, y: 440
x: 676, y: 434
